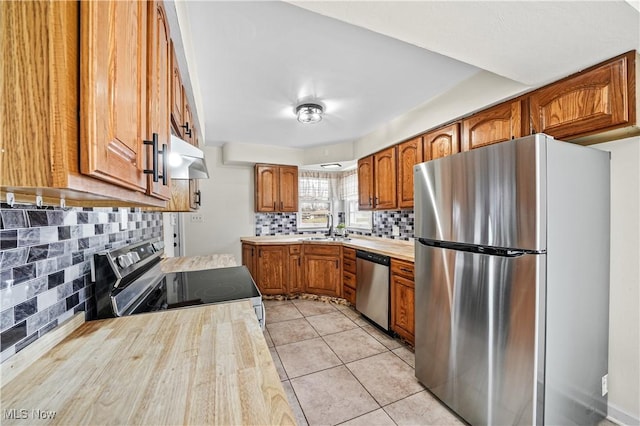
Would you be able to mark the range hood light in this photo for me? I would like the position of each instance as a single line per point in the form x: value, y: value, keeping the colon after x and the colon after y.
x: 174, y: 159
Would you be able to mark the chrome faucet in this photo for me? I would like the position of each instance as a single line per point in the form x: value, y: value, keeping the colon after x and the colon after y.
x: 330, y: 225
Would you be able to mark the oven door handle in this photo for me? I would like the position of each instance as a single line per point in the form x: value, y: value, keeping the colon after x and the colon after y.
x: 126, y: 301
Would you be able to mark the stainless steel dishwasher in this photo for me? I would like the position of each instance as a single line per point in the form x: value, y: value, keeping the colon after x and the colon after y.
x: 372, y: 287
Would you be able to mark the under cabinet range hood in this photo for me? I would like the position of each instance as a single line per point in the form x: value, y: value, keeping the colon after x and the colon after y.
x: 186, y: 161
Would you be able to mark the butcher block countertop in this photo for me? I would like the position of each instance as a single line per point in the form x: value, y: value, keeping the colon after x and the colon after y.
x: 197, y: 263
x: 204, y: 365
x: 398, y: 249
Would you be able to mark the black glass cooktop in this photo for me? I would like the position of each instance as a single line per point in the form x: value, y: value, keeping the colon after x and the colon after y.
x: 209, y: 286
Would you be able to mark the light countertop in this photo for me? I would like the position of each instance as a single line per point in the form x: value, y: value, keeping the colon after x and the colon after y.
x: 204, y: 365
x: 399, y: 249
x: 197, y: 263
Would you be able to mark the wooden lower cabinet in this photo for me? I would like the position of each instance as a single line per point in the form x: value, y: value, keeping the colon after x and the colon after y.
x: 322, y: 269
x: 249, y: 258
x: 272, y: 269
x: 349, y: 275
x: 403, y: 299
x: 296, y: 283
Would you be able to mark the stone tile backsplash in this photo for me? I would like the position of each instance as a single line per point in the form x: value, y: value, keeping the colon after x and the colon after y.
x: 383, y: 223
x: 45, y: 264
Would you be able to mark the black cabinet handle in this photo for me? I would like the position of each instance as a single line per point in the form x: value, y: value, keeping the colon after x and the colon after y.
x: 154, y: 158
x: 406, y: 270
x: 198, y: 198
x: 165, y: 156
x: 370, y: 201
x: 281, y: 205
x: 187, y: 130
x: 298, y: 261
x: 337, y: 264
x: 274, y: 206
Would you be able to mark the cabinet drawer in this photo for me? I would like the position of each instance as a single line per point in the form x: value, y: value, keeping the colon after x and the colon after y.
x: 349, y: 294
x: 349, y: 265
x: 349, y: 253
x: 296, y: 249
x: 402, y: 268
x: 349, y: 279
x: 322, y: 249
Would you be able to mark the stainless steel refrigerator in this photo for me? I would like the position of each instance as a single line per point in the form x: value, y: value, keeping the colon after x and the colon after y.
x: 512, y: 282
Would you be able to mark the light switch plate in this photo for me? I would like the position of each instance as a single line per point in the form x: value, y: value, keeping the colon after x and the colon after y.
x: 197, y: 218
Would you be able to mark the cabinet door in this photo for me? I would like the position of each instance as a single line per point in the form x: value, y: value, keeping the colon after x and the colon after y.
x: 187, y: 119
x: 587, y: 103
x: 176, y: 94
x: 409, y: 154
x: 498, y: 124
x: 113, y: 54
x: 403, y: 307
x: 266, y: 187
x: 288, y: 193
x: 271, y: 268
x: 249, y: 258
x: 385, y: 179
x: 158, y: 95
x: 365, y: 183
x: 323, y: 275
x: 442, y: 142
x: 195, y: 195
x: 295, y: 270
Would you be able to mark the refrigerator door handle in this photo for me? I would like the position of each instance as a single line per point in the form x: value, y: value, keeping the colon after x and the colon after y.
x: 488, y: 250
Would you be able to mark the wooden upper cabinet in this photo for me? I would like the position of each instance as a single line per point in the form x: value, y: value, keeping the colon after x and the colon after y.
x: 365, y: 183
x: 442, y: 142
x: 158, y: 99
x: 592, y: 101
x: 288, y: 188
x: 276, y: 188
x: 266, y: 188
x: 176, y: 94
x: 113, y: 108
x: 409, y: 154
x: 498, y: 124
x: 188, y: 131
x: 385, y: 179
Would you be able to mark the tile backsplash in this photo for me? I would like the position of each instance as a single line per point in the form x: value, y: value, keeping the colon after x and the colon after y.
x: 383, y: 223
x: 45, y: 264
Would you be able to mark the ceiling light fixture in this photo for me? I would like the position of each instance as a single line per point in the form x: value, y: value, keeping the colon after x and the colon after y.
x: 331, y: 166
x: 309, y: 113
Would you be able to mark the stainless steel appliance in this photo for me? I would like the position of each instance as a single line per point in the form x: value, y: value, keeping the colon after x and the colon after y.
x: 512, y: 282
x: 128, y: 281
x: 372, y: 287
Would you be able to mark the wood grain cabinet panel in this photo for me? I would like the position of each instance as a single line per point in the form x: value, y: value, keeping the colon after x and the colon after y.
x: 409, y: 154
x: 276, y: 188
x: 159, y: 97
x: 113, y: 70
x: 295, y: 284
x: 249, y: 257
x: 498, y: 124
x: 322, y: 270
x: 272, y: 269
x: 385, y: 179
x: 442, y: 142
x: 403, y: 299
x: 177, y: 93
x: 365, y: 183
x: 586, y: 103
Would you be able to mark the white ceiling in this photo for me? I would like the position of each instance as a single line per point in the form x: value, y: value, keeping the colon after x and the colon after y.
x: 369, y: 62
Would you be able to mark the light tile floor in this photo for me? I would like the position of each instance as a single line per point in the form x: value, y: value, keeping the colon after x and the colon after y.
x: 336, y: 368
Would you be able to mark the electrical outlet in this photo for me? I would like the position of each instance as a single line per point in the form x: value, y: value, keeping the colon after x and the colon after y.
x: 605, y: 385
x: 197, y: 218
x: 395, y: 230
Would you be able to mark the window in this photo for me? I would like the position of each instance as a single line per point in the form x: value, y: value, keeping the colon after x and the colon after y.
x: 315, y: 199
x: 354, y: 217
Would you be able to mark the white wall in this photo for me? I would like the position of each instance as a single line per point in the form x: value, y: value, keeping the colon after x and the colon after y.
x: 227, y: 209
x: 624, y: 297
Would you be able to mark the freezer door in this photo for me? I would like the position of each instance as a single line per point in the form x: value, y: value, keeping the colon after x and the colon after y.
x: 479, y: 333
x: 492, y: 196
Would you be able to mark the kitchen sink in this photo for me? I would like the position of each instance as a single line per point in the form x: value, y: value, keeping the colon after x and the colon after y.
x: 334, y: 238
